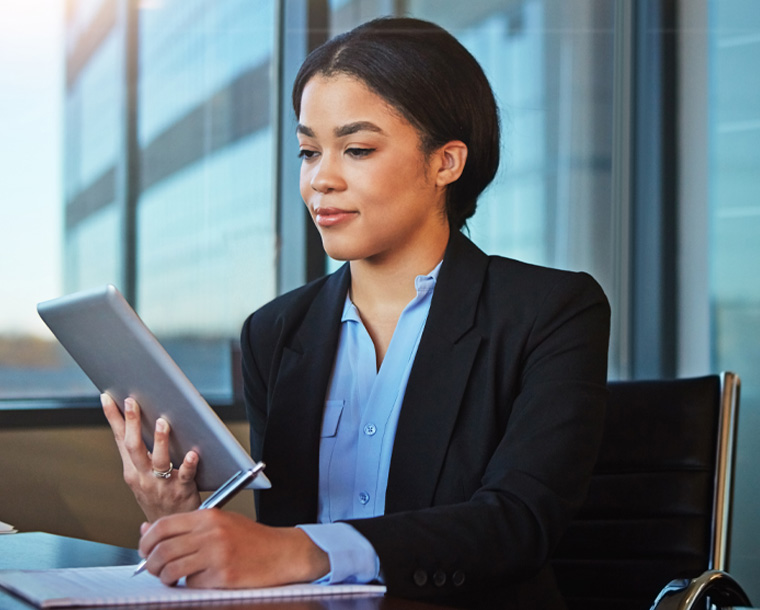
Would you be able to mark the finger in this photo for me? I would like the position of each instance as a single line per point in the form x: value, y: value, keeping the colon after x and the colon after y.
x: 113, y: 415
x: 173, y: 558
x: 133, y: 442
x: 189, y: 467
x: 116, y: 421
x: 164, y: 529
x: 188, y: 563
x: 160, y: 456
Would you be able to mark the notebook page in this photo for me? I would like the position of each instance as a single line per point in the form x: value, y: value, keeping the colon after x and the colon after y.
x: 115, y: 585
x: 7, y: 528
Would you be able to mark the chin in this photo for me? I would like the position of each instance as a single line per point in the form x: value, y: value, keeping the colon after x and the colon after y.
x: 340, y: 254
x: 339, y: 250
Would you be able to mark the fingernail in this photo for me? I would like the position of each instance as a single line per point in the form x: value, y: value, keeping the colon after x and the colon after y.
x: 129, y: 405
x: 103, y: 399
x: 192, y: 458
x: 160, y: 425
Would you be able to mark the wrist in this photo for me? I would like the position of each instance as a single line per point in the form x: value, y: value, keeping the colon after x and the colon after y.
x: 315, y: 562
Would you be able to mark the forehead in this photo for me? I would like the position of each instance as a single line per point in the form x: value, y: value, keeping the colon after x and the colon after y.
x: 329, y: 102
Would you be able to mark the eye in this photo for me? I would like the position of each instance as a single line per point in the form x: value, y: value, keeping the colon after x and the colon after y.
x: 307, y: 154
x: 359, y: 153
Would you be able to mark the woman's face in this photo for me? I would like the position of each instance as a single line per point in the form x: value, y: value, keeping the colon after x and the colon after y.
x: 370, y: 190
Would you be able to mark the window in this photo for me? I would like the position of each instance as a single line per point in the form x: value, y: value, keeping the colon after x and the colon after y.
x: 31, y: 111
x: 167, y: 187
x: 734, y: 246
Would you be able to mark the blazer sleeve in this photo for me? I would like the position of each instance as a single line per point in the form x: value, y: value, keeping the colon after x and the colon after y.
x: 539, y: 380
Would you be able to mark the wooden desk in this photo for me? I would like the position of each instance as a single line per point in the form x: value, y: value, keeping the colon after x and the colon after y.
x: 36, y: 550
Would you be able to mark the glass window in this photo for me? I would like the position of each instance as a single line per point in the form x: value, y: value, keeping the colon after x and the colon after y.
x: 31, y: 198
x: 734, y: 213
x: 205, y: 217
x: 185, y: 206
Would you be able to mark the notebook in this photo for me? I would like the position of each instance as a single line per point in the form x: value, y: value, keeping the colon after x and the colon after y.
x: 115, y: 586
x: 7, y: 528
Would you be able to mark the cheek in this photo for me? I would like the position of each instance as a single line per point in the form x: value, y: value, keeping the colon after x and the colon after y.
x: 304, y: 184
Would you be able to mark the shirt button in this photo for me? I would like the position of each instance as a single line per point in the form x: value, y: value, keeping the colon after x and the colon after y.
x: 439, y: 578
x: 363, y: 497
x: 370, y: 429
x: 420, y: 577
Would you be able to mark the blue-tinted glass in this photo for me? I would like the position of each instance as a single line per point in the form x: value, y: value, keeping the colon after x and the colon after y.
x: 205, y: 217
x: 734, y: 112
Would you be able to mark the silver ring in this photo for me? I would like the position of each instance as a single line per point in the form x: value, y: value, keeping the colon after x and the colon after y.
x: 165, y: 474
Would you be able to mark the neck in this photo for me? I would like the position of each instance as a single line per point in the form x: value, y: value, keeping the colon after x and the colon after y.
x: 389, y: 284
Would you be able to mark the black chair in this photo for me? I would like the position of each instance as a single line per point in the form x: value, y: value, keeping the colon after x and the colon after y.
x: 658, y: 505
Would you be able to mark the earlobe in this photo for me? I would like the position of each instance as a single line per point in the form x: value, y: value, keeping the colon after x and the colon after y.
x: 453, y: 156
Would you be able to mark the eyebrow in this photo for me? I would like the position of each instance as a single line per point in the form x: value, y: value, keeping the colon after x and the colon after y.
x: 343, y: 130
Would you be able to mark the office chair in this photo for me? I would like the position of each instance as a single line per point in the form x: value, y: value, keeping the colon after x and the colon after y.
x: 658, y: 505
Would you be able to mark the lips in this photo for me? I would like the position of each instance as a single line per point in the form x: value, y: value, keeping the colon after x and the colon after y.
x: 329, y: 217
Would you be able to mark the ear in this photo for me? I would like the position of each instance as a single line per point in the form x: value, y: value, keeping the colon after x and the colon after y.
x: 451, y: 157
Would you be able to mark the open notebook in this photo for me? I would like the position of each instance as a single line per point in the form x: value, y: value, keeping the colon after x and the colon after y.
x: 113, y: 586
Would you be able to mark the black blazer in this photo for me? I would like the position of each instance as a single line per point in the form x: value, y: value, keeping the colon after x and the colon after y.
x: 497, y: 435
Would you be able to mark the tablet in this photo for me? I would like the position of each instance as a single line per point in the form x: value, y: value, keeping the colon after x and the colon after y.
x: 115, y: 349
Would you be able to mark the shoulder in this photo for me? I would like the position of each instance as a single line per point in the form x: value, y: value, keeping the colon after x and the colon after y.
x: 567, y: 306
x: 516, y: 282
x: 535, y: 284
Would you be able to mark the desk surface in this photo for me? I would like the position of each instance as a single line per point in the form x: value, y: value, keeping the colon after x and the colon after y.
x: 36, y: 550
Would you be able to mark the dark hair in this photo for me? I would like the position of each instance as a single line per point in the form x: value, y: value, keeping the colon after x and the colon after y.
x: 433, y: 81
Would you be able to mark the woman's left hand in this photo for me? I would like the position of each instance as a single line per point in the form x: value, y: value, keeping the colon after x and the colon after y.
x: 215, y: 549
x: 159, y: 487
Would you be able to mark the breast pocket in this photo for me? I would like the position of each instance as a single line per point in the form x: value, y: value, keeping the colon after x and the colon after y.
x: 329, y: 434
x: 331, y: 418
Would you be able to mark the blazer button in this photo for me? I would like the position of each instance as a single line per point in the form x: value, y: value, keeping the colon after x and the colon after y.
x: 420, y: 577
x: 439, y: 578
x: 457, y: 578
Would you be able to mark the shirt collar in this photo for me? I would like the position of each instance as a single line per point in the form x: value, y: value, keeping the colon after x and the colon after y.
x: 422, y: 284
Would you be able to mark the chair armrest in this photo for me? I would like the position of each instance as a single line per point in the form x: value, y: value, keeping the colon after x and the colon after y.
x: 683, y: 594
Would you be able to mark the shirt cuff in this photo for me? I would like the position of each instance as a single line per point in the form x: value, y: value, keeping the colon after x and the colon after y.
x: 352, y: 558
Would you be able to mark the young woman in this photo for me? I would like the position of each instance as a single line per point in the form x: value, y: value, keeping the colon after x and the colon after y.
x: 429, y: 415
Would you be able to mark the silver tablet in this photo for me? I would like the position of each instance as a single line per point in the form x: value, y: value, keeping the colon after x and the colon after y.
x: 122, y: 358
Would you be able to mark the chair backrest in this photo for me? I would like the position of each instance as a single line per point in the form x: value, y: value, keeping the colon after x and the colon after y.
x: 658, y: 503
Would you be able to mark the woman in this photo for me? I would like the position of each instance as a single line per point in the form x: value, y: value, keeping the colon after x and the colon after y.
x: 429, y: 415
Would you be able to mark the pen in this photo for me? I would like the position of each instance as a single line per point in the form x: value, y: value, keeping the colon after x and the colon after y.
x: 221, y: 496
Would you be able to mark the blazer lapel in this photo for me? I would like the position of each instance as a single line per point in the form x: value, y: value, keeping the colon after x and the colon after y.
x: 438, y: 378
x: 291, y: 445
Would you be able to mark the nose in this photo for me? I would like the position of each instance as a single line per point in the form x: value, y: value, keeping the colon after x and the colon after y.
x: 326, y: 176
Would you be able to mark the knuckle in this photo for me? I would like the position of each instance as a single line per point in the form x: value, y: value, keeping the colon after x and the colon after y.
x: 131, y: 443
x: 159, y: 555
x: 208, y: 519
x: 159, y: 527
x: 168, y: 577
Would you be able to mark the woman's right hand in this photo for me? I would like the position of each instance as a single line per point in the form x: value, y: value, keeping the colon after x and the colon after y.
x: 157, y: 495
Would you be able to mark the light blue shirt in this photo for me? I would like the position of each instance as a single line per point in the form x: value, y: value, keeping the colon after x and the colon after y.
x: 358, y: 430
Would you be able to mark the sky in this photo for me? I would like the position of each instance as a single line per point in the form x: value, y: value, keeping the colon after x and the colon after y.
x: 31, y: 128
